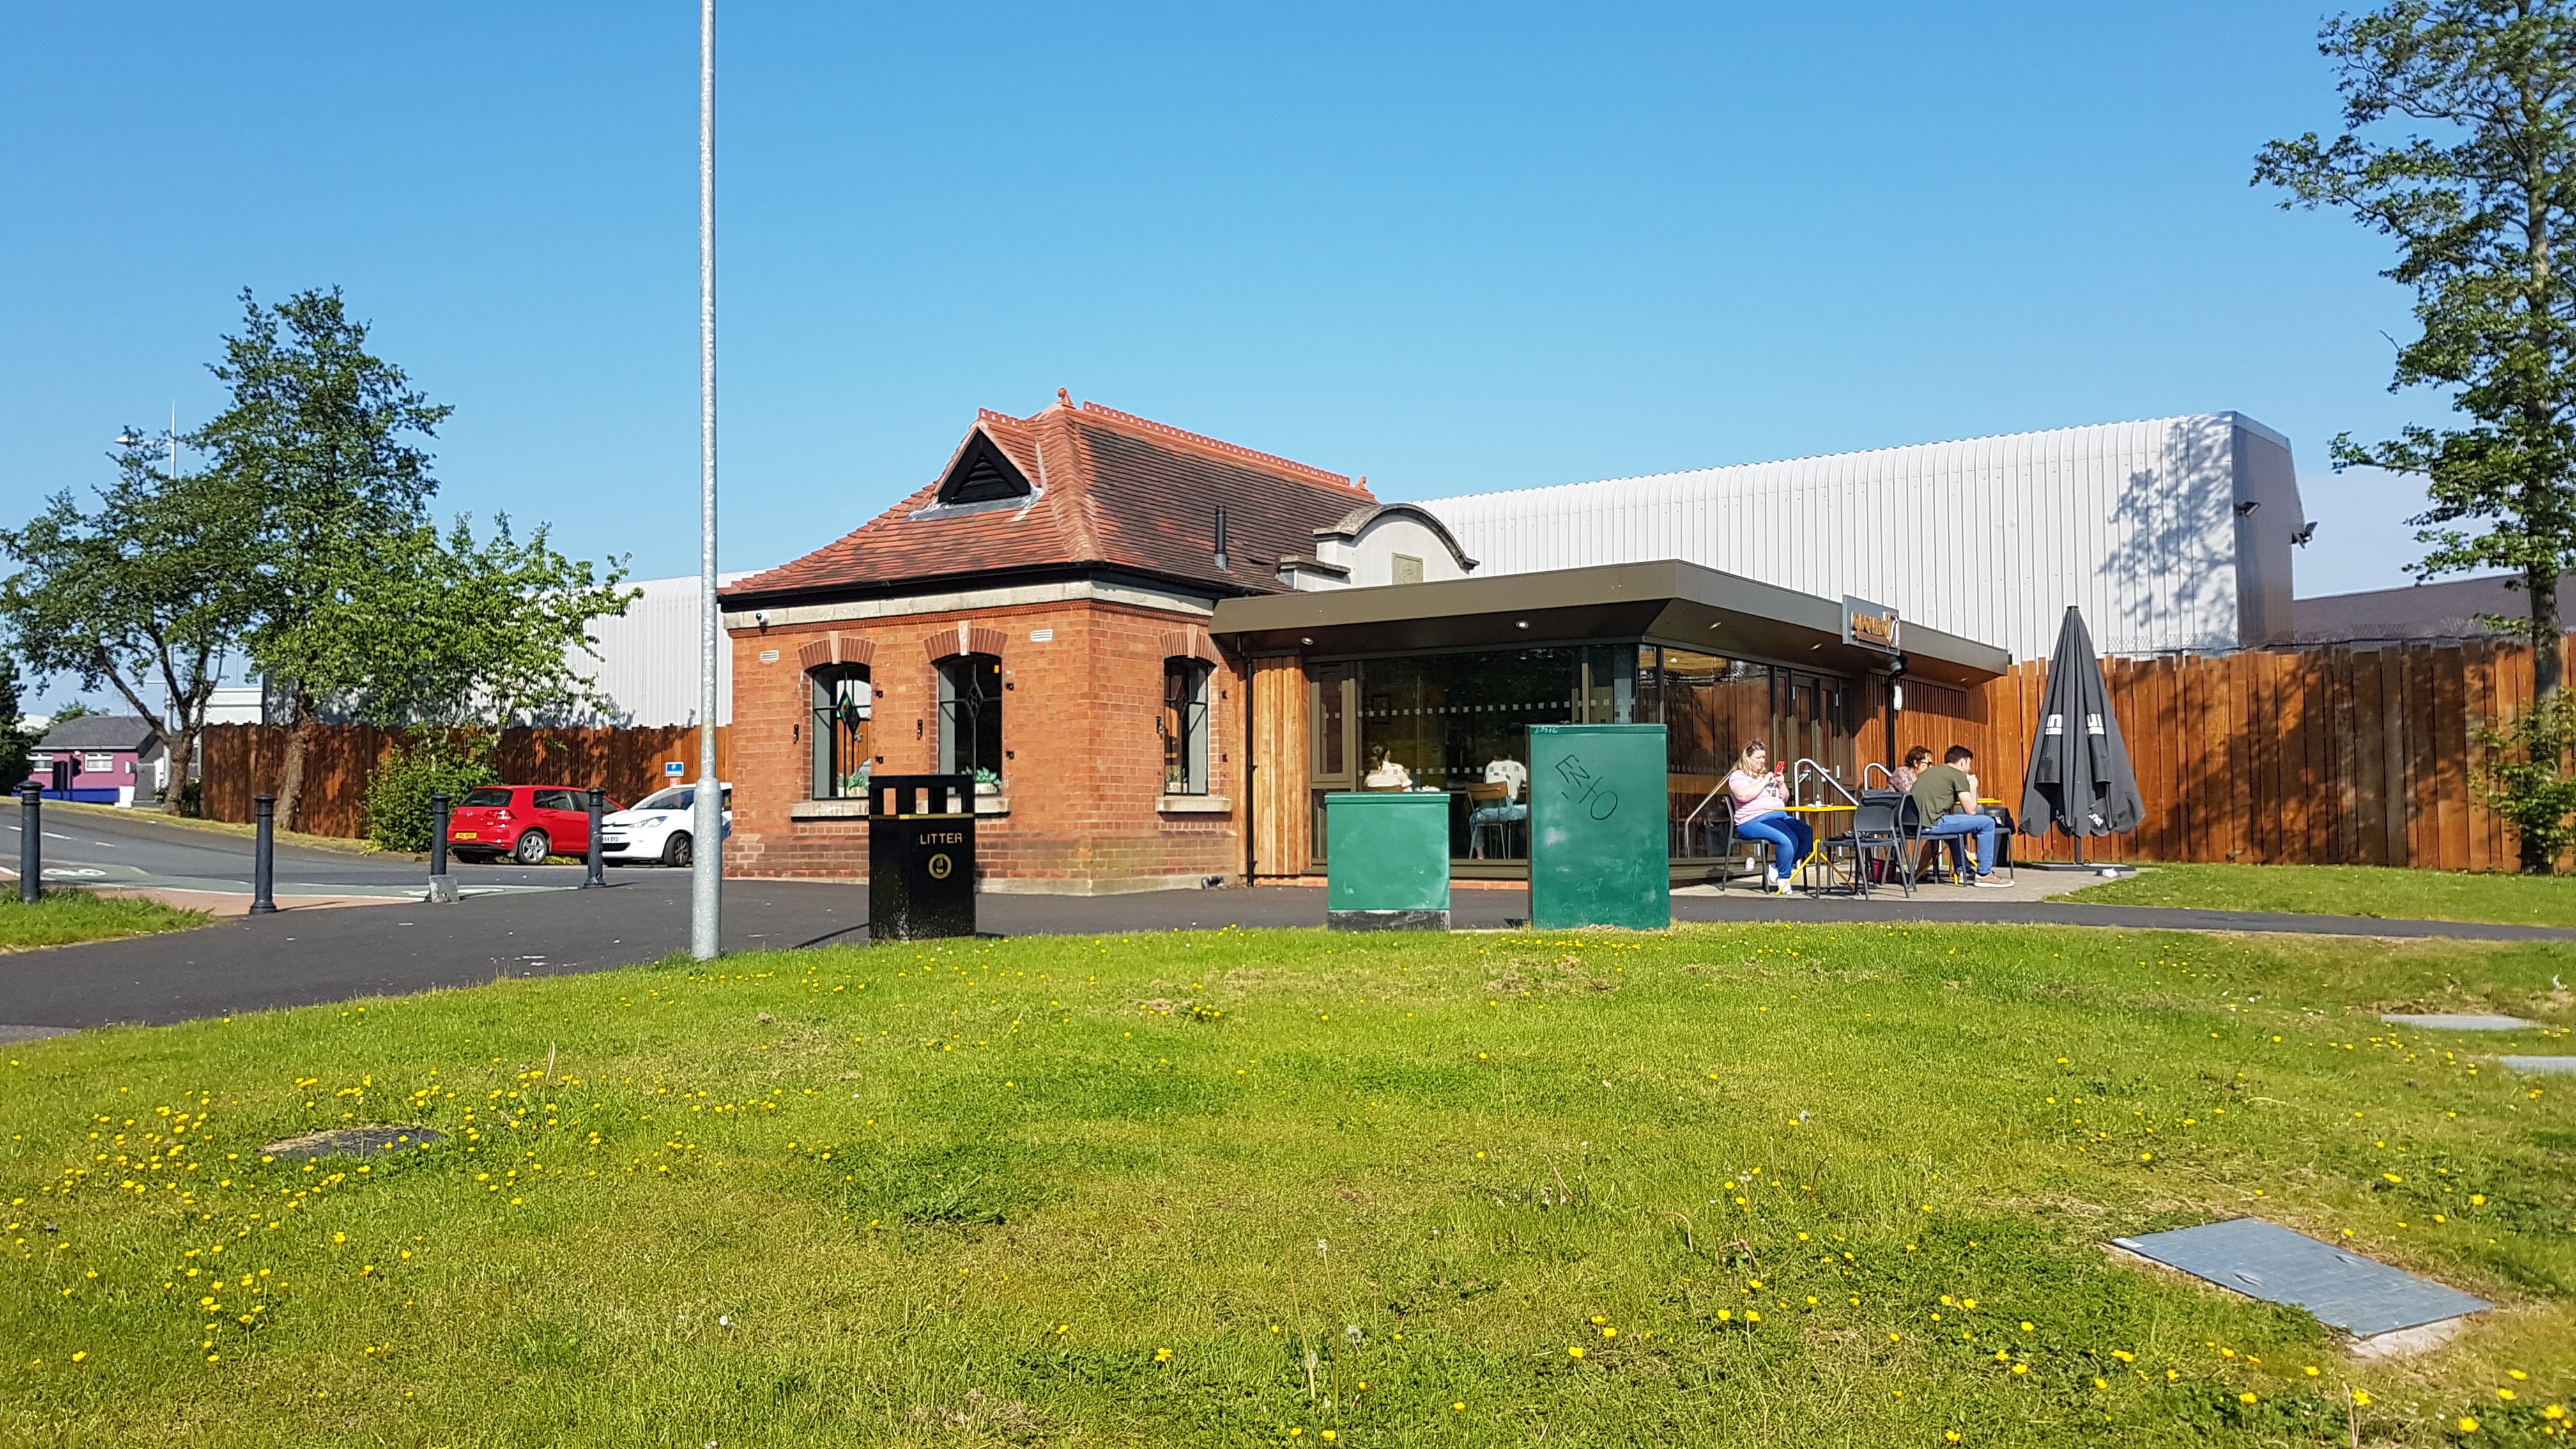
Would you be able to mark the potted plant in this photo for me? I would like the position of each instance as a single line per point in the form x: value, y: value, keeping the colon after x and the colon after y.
x: 987, y: 782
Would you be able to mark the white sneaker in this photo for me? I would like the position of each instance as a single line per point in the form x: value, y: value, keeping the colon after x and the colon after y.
x: 1989, y: 883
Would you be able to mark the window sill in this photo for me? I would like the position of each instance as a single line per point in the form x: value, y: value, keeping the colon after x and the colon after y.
x: 992, y: 804
x: 1194, y: 805
x: 829, y: 809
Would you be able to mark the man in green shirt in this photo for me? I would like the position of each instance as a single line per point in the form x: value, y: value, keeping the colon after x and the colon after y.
x: 1946, y: 797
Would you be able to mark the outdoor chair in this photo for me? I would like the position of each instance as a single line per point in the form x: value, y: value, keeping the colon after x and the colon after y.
x: 1875, y: 835
x: 1756, y: 853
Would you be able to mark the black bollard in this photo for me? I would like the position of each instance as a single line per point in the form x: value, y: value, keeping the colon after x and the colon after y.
x: 598, y: 863
x: 437, y: 833
x: 263, y: 861
x: 31, y: 844
x: 442, y: 891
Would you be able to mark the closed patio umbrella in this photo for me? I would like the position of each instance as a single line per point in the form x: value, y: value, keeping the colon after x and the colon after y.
x: 2079, y: 778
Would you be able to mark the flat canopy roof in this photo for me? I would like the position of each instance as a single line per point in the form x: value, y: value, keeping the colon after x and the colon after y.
x: 1666, y: 601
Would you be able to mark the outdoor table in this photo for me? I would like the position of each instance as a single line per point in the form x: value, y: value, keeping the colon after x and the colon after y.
x: 1816, y: 852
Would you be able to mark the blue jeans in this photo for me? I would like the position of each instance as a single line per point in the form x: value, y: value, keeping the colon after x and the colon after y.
x: 1954, y: 827
x: 1789, y: 837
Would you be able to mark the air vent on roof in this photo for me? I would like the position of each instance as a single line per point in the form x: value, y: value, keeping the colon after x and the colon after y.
x: 982, y: 475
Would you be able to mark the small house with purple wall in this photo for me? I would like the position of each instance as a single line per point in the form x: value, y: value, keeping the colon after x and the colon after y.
x: 119, y: 758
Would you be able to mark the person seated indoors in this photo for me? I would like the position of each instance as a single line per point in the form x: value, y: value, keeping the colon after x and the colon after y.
x: 1917, y: 760
x: 1945, y: 795
x: 1761, y: 813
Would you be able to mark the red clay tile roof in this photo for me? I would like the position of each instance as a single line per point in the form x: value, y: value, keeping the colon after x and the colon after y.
x: 1111, y: 489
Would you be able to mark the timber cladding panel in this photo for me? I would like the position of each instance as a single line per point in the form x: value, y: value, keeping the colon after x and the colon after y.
x: 245, y: 761
x: 2317, y: 756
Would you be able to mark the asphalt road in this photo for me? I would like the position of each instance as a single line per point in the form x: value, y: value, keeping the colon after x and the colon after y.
x: 94, y: 847
x: 541, y: 928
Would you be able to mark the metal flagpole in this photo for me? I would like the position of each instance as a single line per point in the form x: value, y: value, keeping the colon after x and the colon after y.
x: 706, y: 880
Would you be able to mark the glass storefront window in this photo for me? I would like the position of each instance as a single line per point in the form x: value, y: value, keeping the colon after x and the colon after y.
x: 1459, y: 723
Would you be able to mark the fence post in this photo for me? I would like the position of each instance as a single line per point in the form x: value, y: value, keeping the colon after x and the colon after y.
x: 263, y: 860
x: 598, y: 863
x: 31, y: 843
x: 442, y: 890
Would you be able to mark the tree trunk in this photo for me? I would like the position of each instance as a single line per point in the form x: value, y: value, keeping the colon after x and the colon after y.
x: 2547, y: 661
x: 183, y: 746
x: 290, y: 774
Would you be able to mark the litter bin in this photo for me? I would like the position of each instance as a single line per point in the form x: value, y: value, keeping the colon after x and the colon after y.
x: 1598, y: 841
x: 921, y: 857
x: 1387, y: 862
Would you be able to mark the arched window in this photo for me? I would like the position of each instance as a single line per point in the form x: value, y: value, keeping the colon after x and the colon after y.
x: 1183, y: 725
x: 970, y: 716
x: 843, y: 701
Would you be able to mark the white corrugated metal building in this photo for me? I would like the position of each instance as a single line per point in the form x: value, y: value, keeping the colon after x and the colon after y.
x: 2173, y: 534
x: 647, y: 658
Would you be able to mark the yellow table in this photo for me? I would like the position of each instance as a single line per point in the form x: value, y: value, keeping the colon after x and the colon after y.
x: 1816, y: 849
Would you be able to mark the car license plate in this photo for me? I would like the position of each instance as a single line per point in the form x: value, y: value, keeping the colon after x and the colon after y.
x: 461, y: 835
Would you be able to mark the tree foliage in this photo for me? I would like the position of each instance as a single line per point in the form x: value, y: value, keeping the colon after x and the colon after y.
x: 449, y: 629
x: 2525, y: 770
x: 2459, y: 144
x: 425, y: 762
x: 148, y: 592
x: 16, y: 746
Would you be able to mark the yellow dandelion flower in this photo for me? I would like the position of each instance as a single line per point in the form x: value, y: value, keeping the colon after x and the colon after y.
x: 2468, y: 1425
x: 2246, y: 1397
x: 1573, y: 1350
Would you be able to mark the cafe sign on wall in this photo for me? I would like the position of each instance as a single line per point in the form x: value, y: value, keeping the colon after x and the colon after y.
x: 1868, y: 625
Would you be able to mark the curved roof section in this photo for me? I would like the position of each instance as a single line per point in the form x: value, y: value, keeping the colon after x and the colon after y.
x: 1106, y: 489
x: 1354, y: 523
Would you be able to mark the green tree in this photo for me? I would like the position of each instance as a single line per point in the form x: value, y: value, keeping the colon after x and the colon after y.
x: 16, y: 747
x: 149, y: 590
x: 323, y: 440
x: 448, y: 630
x: 2459, y: 144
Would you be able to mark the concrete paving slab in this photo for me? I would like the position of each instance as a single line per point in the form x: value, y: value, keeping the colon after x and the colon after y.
x: 2463, y: 1021
x: 2546, y: 1066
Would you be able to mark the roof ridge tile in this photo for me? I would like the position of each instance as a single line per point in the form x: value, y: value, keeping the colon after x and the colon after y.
x: 1219, y: 445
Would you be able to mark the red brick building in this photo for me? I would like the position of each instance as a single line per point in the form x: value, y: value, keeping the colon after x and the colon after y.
x: 1037, y: 615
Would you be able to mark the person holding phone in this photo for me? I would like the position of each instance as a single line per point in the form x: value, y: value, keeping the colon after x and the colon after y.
x: 1760, y: 798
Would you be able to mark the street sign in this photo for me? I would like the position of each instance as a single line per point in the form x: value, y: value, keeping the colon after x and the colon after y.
x: 674, y: 768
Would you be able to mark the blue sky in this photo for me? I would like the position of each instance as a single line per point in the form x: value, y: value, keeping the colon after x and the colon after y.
x: 1448, y: 247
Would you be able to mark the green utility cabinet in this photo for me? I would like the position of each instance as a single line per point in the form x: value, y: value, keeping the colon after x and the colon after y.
x: 1598, y: 852
x: 1387, y: 860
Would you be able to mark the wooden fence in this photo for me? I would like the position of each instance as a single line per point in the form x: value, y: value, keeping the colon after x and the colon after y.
x: 243, y: 761
x: 2336, y: 755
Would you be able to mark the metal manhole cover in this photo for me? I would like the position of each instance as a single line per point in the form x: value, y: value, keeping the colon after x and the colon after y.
x: 2341, y: 1289
x: 353, y: 1142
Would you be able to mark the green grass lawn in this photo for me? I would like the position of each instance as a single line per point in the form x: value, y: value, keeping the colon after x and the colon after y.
x: 1786, y: 1185
x: 67, y: 916
x: 2348, y: 890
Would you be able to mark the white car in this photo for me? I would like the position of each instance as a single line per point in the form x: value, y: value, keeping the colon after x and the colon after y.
x: 657, y: 828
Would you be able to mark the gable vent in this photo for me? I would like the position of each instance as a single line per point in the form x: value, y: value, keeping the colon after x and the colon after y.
x: 983, y: 475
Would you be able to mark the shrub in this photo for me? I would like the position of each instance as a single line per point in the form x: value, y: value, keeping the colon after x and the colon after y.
x: 2528, y: 782
x: 425, y: 762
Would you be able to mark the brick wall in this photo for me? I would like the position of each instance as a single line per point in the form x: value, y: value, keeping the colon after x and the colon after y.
x: 1083, y: 771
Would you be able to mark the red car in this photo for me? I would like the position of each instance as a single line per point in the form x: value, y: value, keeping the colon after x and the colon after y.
x: 524, y: 822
